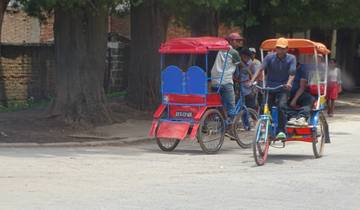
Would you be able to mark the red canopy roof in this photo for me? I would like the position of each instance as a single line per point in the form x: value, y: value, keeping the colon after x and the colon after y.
x: 195, y: 45
x: 303, y: 45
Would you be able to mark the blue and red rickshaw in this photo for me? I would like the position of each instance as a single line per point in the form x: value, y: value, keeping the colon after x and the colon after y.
x: 316, y: 132
x: 189, y: 109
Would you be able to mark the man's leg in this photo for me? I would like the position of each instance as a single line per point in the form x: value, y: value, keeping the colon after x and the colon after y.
x: 306, y: 102
x: 228, y: 99
x: 250, y: 101
x: 282, y: 99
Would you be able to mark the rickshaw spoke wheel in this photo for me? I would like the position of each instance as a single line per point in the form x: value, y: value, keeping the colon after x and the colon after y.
x: 261, y: 143
x: 245, y: 127
x: 211, y: 131
x: 167, y: 145
x: 319, y: 136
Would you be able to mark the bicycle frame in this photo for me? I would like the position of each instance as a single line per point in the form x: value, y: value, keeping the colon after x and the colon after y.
x: 271, y: 117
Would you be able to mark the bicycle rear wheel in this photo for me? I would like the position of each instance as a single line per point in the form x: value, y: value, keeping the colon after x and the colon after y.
x: 261, y: 142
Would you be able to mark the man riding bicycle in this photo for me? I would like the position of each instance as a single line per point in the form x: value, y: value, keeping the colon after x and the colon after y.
x: 280, y: 69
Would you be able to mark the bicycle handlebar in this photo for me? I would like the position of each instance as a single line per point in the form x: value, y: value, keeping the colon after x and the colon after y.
x: 269, y: 88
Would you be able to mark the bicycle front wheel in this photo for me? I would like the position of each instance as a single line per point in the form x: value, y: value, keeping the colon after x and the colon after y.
x: 261, y: 142
x: 245, y: 127
x: 319, y: 136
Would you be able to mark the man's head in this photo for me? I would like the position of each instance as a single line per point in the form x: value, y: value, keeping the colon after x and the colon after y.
x: 235, y: 40
x: 253, y: 52
x: 332, y: 62
x: 281, y: 47
x: 245, y: 55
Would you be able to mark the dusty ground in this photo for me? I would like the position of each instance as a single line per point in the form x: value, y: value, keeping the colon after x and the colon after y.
x: 141, y: 176
x: 34, y: 125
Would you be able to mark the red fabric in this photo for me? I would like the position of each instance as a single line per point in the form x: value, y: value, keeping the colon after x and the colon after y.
x: 314, y: 89
x: 332, y: 91
x: 196, y: 45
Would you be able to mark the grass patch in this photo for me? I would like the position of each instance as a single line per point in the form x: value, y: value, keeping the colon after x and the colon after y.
x: 14, y: 106
x: 116, y: 94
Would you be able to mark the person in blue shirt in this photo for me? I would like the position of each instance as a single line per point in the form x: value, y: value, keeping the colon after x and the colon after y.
x: 246, y: 72
x: 301, y: 102
x: 280, y: 69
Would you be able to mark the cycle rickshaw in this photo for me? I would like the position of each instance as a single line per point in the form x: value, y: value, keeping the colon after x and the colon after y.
x: 317, y: 130
x: 189, y: 109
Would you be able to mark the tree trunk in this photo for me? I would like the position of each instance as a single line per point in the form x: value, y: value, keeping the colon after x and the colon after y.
x: 80, y: 48
x: 148, y: 30
x: 255, y: 35
x: 347, y: 58
x: 204, y: 22
x: 3, y: 97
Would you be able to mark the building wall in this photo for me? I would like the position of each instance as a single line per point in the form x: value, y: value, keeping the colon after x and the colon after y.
x: 47, y: 30
x: 26, y: 71
x: 20, y: 28
x: 121, y: 26
x: 176, y: 30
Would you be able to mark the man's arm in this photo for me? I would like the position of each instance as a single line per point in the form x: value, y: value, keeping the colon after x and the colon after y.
x: 261, y: 69
x: 292, y: 72
x: 257, y: 73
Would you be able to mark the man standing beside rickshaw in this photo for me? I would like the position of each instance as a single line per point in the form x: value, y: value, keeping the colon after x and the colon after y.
x: 280, y: 68
x: 222, y: 73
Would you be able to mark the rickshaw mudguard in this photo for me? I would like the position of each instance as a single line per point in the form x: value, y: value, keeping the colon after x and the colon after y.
x: 153, y: 128
x: 159, y: 111
x: 197, y: 125
x: 194, y: 131
x: 173, y: 130
x: 155, y: 122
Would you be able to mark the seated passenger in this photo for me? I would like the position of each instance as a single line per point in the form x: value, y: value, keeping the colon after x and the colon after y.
x: 301, y: 102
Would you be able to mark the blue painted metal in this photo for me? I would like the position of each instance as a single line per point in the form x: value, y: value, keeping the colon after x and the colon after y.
x: 206, y: 62
x: 258, y: 129
x: 267, y: 130
x: 275, y: 119
x: 172, y: 80
x: 195, y: 81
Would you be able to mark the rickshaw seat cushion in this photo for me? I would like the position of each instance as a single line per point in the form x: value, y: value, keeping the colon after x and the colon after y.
x: 196, y: 81
x: 172, y: 80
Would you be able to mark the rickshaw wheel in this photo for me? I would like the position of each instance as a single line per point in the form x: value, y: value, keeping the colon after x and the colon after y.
x: 261, y: 145
x: 245, y: 135
x: 211, y: 131
x: 319, y: 136
x: 167, y: 145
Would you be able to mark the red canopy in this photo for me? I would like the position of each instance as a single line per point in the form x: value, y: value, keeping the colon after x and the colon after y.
x: 194, y: 45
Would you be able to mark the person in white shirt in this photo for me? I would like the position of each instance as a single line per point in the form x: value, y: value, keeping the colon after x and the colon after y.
x: 334, y: 86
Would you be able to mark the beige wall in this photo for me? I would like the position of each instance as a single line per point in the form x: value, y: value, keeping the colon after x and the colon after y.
x: 20, y: 28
